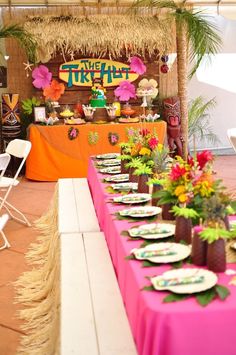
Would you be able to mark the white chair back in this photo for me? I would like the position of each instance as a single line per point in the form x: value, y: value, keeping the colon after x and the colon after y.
x: 4, y: 161
x: 19, y: 148
x: 3, y: 220
x: 232, y: 137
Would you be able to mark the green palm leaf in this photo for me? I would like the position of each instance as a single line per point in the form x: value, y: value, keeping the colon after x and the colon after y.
x: 25, y: 39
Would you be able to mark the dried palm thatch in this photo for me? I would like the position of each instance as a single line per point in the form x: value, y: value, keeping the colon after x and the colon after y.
x: 39, y: 289
x: 98, y: 35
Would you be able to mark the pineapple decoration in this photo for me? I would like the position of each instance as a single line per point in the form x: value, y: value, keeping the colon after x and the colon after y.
x: 215, y: 234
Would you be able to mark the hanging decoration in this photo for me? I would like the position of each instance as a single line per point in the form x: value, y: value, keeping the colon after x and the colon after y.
x: 137, y: 65
x: 73, y: 133
x: 28, y: 68
x: 54, y: 90
x: 113, y: 138
x: 42, y: 77
x: 164, y: 67
x: 93, y: 138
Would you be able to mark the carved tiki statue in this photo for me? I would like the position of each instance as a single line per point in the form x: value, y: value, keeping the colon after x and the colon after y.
x: 172, y: 117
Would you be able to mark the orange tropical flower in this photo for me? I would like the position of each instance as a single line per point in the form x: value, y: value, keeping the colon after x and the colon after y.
x: 54, y: 90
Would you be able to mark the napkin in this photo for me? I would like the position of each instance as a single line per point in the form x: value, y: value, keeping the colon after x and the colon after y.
x: 150, y: 253
x: 185, y: 280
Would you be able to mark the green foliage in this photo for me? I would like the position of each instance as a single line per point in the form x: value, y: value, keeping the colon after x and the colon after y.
x: 212, y: 234
x: 184, y: 212
x: 199, y: 120
x: 143, y: 169
x: 134, y: 163
x: 161, y: 159
x: 202, y: 35
x: 29, y: 104
x: 25, y: 39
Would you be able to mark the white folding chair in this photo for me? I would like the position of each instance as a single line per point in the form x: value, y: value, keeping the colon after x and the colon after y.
x: 20, y: 149
x: 232, y: 137
x: 3, y: 220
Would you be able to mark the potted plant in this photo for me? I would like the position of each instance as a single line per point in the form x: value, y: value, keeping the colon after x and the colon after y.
x: 143, y: 172
x: 125, y: 156
x: 214, y: 232
x: 132, y: 165
x: 183, y: 228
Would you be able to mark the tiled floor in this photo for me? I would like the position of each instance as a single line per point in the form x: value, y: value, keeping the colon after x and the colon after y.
x: 33, y: 198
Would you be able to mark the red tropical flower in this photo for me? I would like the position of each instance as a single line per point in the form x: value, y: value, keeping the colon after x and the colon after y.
x: 153, y: 142
x: 177, y: 171
x: 144, y: 132
x: 203, y: 158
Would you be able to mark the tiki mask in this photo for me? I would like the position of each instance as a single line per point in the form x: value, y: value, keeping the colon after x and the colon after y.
x: 172, y: 117
x: 172, y: 111
x: 10, y: 109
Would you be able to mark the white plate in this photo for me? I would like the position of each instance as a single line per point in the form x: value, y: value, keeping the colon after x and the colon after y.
x: 111, y: 170
x: 133, y: 198
x: 153, y: 231
x: 108, y: 162
x: 108, y: 156
x: 118, y: 178
x: 210, y: 280
x: 145, y: 211
x: 125, y: 186
x: 182, y: 252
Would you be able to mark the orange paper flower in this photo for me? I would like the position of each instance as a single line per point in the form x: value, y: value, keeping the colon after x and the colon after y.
x: 54, y: 91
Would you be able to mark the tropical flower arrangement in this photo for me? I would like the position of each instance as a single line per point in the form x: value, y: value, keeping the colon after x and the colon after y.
x: 188, y: 182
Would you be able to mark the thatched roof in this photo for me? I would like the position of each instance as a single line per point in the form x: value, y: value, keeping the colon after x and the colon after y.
x: 100, y: 34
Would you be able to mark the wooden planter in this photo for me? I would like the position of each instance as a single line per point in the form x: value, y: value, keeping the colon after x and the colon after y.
x: 155, y: 189
x: 166, y: 214
x: 123, y: 169
x: 142, y: 186
x: 132, y: 177
x: 216, y: 257
x: 183, y: 230
x: 199, y: 248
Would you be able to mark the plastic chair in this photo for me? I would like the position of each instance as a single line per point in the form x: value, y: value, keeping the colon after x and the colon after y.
x: 3, y: 220
x: 20, y: 149
x: 232, y: 137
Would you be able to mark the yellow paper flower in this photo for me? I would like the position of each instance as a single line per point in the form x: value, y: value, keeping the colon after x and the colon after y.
x: 160, y: 146
x: 183, y: 198
x: 179, y: 190
x: 145, y: 151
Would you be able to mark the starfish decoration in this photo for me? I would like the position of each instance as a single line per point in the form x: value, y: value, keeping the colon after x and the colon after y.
x: 28, y: 67
x: 72, y: 54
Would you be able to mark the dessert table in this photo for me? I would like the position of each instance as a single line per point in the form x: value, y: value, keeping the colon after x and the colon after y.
x: 179, y: 328
x: 54, y: 155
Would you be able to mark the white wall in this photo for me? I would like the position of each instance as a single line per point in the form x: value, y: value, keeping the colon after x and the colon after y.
x: 224, y: 115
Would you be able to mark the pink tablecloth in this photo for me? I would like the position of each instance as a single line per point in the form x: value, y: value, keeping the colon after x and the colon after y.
x: 182, y: 328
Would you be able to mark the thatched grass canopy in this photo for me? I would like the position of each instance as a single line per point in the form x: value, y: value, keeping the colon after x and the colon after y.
x: 98, y: 35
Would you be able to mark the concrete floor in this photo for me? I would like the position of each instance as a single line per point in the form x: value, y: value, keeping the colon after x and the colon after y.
x: 33, y: 198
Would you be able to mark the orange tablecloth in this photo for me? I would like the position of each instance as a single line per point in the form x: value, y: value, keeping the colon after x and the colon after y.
x: 54, y: 156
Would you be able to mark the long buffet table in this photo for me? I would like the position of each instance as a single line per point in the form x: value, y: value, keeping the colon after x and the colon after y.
x: 180, y: 328
x: 54, y: 155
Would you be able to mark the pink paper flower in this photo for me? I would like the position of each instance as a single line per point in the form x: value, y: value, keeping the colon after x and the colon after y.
x: 42, y: 77
x: 125, y: 91
x: 137, y: 65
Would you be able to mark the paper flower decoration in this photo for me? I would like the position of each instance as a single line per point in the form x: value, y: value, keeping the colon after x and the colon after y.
x: 147, y: 87
x: 42, y: 77
x: 125, y: 91
x: 137, y: 65
x: 54, y: 91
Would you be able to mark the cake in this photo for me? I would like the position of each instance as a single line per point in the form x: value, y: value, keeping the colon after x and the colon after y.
x: 98, y: 98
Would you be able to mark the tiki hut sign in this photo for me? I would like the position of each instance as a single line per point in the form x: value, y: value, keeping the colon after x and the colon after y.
x: 82, y: 72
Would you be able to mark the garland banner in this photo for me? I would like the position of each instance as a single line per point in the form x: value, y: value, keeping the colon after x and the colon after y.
x: 81, y: 72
